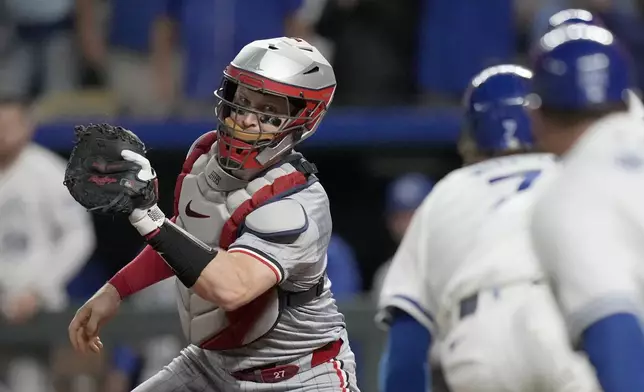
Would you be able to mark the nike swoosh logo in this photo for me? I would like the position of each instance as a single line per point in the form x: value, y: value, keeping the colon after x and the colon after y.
x: 194, y: 214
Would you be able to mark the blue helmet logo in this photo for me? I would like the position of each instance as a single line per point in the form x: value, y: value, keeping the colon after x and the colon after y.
x: 495, y: 109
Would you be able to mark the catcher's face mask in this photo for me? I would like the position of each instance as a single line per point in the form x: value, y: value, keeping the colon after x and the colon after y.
x: 254, y: 123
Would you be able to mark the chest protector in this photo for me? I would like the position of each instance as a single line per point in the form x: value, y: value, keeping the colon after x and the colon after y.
x: 212, y: 205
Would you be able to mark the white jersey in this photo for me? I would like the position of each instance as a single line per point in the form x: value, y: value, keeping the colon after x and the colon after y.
x: 444, y: 231
x: 379, y: 279
x: 45, y: 236
x: 502, y: 252
x: 588, y: 227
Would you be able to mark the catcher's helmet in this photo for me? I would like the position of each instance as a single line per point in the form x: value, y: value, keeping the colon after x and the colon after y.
x: 495, y: 109
x: 289, y: 70
x: 580, y: 66
x: 571, y: 16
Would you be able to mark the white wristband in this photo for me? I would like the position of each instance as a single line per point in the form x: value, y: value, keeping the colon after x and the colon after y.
x: 146, y: 221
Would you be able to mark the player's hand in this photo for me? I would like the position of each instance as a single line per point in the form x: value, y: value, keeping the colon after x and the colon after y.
x: 85, y: 327
x: 146, y: 173
x: 22, y: 307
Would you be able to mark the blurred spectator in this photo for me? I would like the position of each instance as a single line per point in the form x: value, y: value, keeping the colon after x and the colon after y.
x: 309, y: 15
x: 209, y: 34
x: 122, y: 54
x: 41, y: 227
x: 458, y: 38
x: 37, y: 47
x: 404, y: 196
x: 342, y: 269
x: 374, y: 50
x: 45, y: 236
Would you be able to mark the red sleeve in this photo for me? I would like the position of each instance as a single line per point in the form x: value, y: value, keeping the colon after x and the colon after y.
x: 145, y: 270
x: 148, y: 267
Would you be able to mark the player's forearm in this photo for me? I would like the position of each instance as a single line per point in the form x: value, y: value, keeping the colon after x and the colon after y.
x: 226, y: 279
x: 615, y: 347
x: 145, y: 270
x: 404, y: 366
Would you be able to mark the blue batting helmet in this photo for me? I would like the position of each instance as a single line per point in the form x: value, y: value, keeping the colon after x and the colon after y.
x: 572, y: 15
x: 495, y: 109
x: 580, y: 66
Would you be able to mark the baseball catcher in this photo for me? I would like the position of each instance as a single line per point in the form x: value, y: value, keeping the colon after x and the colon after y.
x: 248, y: 239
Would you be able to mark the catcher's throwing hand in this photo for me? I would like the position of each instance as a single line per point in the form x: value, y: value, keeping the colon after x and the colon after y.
x: 107, y: 171
x: 146, y: 173
x: 86, y: 324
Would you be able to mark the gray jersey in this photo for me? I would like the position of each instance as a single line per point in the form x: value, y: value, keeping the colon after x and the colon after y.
x: 301, y: 264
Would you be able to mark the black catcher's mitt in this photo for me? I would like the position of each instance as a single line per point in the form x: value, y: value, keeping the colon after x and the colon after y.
x: 100, y: 179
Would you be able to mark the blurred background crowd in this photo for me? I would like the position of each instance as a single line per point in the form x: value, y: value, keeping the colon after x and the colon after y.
x: 152, y: 65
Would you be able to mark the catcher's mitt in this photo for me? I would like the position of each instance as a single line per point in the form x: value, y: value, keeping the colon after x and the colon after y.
x: 100, y: 179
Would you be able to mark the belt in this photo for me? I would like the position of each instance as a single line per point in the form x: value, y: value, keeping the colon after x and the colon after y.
x: 273, y: 373
x: 468, y: 305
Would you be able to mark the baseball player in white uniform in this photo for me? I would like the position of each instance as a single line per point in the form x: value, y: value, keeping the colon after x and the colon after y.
x: 588, y: 227
x: 464, y: 275
x: 249, y: 242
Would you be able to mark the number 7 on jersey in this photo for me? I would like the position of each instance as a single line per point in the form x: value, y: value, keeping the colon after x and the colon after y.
x: 527, y: 176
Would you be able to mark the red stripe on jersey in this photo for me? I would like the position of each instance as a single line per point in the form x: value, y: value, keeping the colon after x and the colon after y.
x: 264, y: 261
x: 338, y: 371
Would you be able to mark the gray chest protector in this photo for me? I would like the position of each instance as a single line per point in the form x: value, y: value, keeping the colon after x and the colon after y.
x: 213, y: 206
